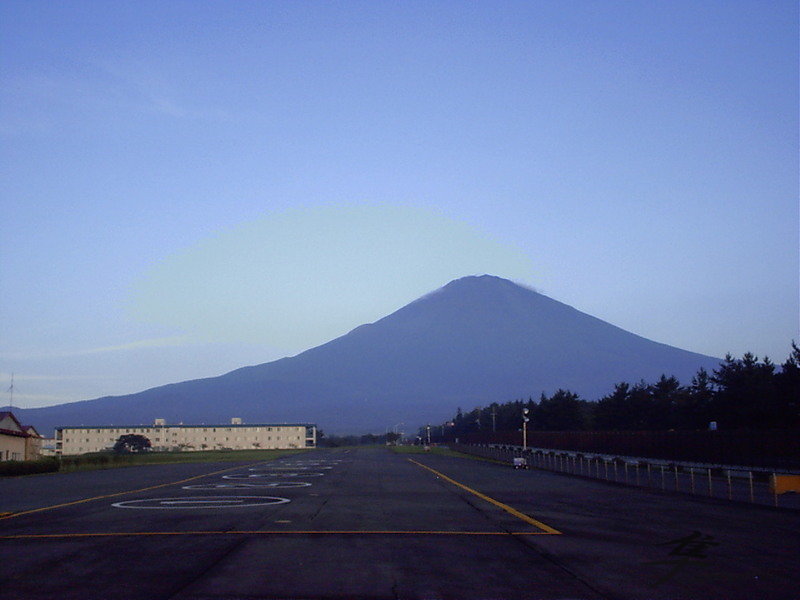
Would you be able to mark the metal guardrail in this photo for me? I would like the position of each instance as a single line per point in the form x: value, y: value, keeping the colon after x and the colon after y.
x: 742, y: 484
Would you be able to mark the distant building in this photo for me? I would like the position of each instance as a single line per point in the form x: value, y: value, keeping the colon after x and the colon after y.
x: 33, y: 443
x: 48, y: 447
x: 17, y: 441
x: 235, y: 436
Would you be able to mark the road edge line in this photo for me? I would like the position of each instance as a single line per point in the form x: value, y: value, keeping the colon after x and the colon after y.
x: 505, y: 507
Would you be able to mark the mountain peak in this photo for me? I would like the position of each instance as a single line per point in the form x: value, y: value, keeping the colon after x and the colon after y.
x: 482, y: 281
x: 478, y: 339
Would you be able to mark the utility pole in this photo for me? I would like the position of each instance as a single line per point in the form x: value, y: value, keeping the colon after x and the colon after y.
x: 494, y: 419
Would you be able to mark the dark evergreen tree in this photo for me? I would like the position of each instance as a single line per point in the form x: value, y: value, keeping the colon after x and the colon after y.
x: 610, y: 410
x: 131, y: 443
x: 746, y: 394
x: 667, y: 396
x: 563, y: 411
x: 787, y: 384
x: 695, y: 411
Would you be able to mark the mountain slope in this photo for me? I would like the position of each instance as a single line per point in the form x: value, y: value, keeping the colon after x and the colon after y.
x: 474, y: 341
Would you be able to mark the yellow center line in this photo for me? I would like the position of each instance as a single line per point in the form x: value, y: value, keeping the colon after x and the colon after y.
x: 505, y: 507
x: 115, y: 494
x: 35, y: 536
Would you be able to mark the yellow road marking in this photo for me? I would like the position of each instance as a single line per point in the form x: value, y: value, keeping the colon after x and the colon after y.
x: 505, y: 507
x: 36, y: 536
x: 115, y: 494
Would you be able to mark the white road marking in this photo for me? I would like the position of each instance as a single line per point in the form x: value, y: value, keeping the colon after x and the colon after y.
x: 201, y: 502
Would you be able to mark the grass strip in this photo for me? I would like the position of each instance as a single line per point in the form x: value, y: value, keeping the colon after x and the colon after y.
x: 106, y: 460
x: 441, y: 451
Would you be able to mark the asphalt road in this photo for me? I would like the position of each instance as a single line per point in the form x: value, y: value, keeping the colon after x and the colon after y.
x: 369, y: 523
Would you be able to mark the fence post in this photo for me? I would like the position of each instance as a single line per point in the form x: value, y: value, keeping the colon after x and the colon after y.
x: 752, y: 497
x: 774, y: 487
x: 663, y: 482
x: 677, y: 487
x: 691, y: 477
x: 730, y: 491
x: 710, y: 489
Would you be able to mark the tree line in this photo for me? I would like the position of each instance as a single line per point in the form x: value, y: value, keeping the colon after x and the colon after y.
x: 742, y: 393
x: 370, y: 439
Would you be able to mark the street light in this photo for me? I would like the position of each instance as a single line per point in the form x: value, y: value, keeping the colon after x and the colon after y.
x: 429, y: 435
x: 399, y: 433
x: 525, y: 420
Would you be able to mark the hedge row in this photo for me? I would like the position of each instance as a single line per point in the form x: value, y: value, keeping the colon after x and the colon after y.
x: 28, y: 467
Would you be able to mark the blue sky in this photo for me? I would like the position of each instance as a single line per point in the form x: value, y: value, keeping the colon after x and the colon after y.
x: 190, y: 187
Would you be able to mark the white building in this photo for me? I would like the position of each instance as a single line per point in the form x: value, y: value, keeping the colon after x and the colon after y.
x: 12, y: 438
x: 17, y: 441
x: 235, y: 436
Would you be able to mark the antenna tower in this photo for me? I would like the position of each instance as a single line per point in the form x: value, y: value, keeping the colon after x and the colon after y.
x: 10, y: 391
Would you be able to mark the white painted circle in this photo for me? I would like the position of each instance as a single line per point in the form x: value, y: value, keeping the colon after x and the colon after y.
x: 287, y: 468
x: 279, y: 468
x: 242, y: 486
x: 272, y: 474
x: 201, y: 502
x: 296, y: 462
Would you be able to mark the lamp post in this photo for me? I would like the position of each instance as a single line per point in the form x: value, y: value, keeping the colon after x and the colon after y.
x: 525, y: 420
x: 400, y: 433
x: 429, y: 435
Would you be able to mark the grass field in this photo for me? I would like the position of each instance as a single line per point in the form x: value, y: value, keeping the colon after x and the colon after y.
x: 108, y: 460
x: 104, y: 460
x: 439, y: 450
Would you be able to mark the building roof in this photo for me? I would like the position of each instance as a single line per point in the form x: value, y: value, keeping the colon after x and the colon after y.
x: 21, y: 434
x: 31, y: 430
x: 202, y: 425
x: 19, y: 431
